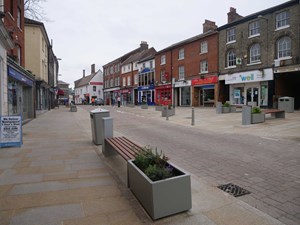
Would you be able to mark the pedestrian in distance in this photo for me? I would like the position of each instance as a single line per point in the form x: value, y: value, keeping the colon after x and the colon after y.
x: 119, y: 101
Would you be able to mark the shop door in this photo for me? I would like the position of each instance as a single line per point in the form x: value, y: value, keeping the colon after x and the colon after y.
x: 252, y: 96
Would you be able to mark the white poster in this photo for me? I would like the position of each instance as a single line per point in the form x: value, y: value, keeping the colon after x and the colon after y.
x: 10, y: 131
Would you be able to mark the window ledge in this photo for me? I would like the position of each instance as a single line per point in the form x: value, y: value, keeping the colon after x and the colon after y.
x: 285, y: 58
x: 206, y: 72
x: 231, y: 42
x: 202, y: 53
x: 281, y: 28
x: 254, y: 63
x: 180, y: 59
x: 230, y: 67
x: 253, y: 36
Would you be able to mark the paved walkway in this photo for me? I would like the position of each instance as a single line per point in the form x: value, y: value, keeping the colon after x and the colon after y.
x: 59, y: 177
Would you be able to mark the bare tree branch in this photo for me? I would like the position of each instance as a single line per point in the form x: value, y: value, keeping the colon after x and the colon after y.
x: 34, y: 10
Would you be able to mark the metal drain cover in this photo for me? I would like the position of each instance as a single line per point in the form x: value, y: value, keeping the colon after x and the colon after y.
x: 234, y: 190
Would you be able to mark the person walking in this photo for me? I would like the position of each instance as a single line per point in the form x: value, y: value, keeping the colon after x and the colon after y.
x: 93, y: 101
x: 119, y: 101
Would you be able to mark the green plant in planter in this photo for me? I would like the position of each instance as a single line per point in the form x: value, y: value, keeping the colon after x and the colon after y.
x: 226, y: 104
x: 256, y: 110
x: 154, y: 164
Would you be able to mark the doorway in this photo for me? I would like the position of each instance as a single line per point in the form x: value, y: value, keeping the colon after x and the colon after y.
x: 252, y: 96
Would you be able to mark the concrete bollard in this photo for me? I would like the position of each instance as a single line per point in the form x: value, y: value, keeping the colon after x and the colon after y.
x: 193, y: 116
x: 219, y: 108
x: 167, y: 116
x: 246, y: 115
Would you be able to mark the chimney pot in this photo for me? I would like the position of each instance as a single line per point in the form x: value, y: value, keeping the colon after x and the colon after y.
x: 92, y: 68
x: 83, y: 73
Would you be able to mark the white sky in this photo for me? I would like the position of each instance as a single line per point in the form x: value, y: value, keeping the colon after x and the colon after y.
x: 86, y: 32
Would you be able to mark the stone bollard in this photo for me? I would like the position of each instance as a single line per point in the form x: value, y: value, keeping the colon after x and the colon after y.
x: 167, y: 110
x: 246, y: 115
x: 219, y: 108
x: 107, y: 132
x: 193, y: 116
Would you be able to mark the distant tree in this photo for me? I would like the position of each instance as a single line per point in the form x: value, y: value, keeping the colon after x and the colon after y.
x: 34, y: 10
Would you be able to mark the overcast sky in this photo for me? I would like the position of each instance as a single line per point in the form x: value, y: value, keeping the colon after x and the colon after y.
x: 99, y: 31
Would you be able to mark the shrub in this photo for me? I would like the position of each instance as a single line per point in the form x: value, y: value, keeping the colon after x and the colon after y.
x: 154, y: 164
x: 256, y: 110
x: 226, y: 104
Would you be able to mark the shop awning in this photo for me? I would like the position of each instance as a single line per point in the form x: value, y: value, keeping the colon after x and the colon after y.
x: 60, y: 92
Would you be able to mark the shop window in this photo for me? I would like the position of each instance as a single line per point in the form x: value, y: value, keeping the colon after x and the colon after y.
x: 284, y: 47
x: 254, y: 53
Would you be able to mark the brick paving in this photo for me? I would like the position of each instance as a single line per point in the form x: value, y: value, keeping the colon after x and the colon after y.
x: 268, y: 165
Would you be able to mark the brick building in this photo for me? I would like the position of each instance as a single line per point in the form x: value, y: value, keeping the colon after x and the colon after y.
x: 186, y: 72
x: 259, y: 56
x: 112, y: 74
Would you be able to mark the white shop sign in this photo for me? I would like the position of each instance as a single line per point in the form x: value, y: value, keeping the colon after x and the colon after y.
x: 10, y: 131
x: 249, y: 76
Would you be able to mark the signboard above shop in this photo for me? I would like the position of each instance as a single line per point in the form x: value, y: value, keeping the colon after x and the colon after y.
x: 249, y: 76
x: 205, y: 80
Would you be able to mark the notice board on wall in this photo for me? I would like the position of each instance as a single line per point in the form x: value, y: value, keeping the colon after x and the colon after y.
x: 10, y: 131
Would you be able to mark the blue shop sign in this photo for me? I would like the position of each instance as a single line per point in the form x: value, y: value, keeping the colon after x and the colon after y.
x: 144, y: 88
x: 19, y: 76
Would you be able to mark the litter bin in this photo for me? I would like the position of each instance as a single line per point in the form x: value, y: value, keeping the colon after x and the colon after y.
x: 286, y: 104
x: 96, y: 116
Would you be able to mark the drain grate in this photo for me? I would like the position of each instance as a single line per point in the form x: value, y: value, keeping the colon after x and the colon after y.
x: 233, y: 189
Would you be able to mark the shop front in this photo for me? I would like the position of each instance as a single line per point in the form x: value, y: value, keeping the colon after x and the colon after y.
x: 182, y: 93
x: 20, y: 92
x: 146, y: 94
x: 205, y: 91
x: 110, y: 95
x: 163, y: 94
x: 126, y: 96
x: 250, y: 87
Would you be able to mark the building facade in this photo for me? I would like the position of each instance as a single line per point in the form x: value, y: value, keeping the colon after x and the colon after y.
x: 145, y: 79
x: 89, y: 87
x: 112, y: 76
x: 259, y: 56
x: 184, y: 70
x: 6, y: 44
x: 20, y: 82
x: 37, y: 44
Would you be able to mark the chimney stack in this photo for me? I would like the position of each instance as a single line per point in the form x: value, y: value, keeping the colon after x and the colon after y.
x: 232, y: 15
x: 209, y: 25
x: 144, y: 45
x: 83, y: 73
x: 92, y: 68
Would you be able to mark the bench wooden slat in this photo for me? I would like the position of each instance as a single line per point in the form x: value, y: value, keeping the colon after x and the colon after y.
x: 125, y: 147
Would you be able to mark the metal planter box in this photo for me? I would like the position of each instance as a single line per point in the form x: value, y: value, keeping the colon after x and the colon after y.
x: 225, y: 109
x: 160, y: 198
x: 257, y: 118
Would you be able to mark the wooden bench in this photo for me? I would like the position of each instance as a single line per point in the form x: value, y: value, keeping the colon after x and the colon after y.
x: 277, y: 113
x: 122, y: 145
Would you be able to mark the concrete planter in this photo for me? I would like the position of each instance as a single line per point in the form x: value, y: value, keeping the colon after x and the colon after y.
x: 257, y: 118
x: 159, y: 108
x: 232, y: 109
x: 73, y: 108
x: 171, y: 112
x: 160, y: 198
x: 225, y: 109
x: 144, y: 106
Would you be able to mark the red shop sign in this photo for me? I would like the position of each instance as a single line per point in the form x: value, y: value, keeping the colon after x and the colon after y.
x: 206, y: 80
